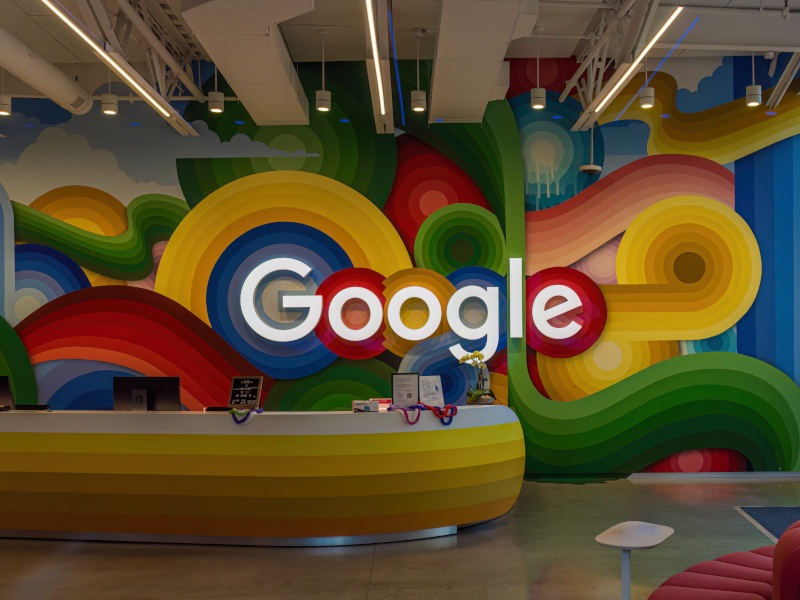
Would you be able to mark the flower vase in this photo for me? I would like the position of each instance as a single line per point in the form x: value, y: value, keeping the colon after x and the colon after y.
x: 481, y: 395
x: 485, y: 398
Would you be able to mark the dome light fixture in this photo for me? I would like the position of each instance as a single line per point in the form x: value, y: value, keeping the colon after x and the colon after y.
x: 323, y: 96
x: 753, y: 91
x: 538, y: 94
x: 419, y: 98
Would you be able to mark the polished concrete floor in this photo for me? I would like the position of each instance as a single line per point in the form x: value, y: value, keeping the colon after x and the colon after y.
x: 544, y: 549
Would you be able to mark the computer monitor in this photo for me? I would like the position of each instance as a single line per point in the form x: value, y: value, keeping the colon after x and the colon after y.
x: 147, y: 393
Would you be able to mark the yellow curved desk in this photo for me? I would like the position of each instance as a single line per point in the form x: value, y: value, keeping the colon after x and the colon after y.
x: 317, y: 478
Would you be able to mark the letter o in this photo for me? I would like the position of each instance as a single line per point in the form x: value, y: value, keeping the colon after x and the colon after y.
x: 434, y: 313
x: 375, y: 314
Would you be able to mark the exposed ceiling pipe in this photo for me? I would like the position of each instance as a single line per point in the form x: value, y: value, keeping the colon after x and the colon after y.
x: 784, y: 81
x: 21, y: 61
x: 601, y: 41
x: 159, y: 48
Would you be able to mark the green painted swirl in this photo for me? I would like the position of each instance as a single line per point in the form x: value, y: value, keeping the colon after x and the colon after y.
x: 151, y: 218
x: 334, y: 387
x: 707, y: 400
x: 460, y: 235
x: 15, y: 364
x: 342, y: 144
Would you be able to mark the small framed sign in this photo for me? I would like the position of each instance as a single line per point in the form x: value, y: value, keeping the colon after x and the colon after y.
x: 405, y: 389
x: 430, y: 390
x: 245, y: 392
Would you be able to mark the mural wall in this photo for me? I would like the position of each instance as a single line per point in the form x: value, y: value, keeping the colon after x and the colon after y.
x: 126, y: 249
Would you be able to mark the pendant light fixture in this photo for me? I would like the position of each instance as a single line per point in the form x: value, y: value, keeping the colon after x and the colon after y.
x: 591, y: 169
x: 538, y: 94
x: 216, y: 99
x: 5, y: 101
x: 323, y: 95
x: 753, y: 91
x: 647, y: 97
x: 109, y: 101
x: 419, y: 98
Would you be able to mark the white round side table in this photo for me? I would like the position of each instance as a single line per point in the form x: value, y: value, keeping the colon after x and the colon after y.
x: 632, y: 535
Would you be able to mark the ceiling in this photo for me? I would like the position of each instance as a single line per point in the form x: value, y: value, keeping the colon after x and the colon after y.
x: 563, y: 29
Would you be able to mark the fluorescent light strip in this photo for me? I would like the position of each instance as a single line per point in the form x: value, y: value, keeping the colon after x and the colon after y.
x: 658, y: 67
x: 135, y: 85
x: 635, y: 64
x: 102, y: 54
x: 374, y: 40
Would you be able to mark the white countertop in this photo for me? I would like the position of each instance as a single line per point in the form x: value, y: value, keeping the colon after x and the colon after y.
x: 267, y: 423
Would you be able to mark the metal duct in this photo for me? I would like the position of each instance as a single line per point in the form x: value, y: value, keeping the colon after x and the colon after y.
x: 468, y: 70
x: 243, y: 39
x: 22, y: 62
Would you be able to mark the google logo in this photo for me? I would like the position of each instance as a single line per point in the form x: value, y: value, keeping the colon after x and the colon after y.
x: 565, y: 309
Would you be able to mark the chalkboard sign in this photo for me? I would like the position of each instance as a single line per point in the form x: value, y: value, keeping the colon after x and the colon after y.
x: 245, y: 392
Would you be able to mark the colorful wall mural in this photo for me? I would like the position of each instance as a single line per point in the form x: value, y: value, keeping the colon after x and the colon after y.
x: 126, y: 249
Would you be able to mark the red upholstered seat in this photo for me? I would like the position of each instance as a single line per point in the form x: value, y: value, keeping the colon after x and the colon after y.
x: 748, y: 559
x: 682, y: 593
x: 688, y: 579
x: 766, y: 551
x: 768, y: 573
x: 786, y: 585
x: 723, y: 569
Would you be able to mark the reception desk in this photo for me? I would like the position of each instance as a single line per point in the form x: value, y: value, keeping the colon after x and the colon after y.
x: 316, y: 478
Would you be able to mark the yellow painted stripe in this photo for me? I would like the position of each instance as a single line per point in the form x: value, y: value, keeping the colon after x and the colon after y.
x: 275, y: 487
x: 259, y: 466
x: 253, y: 525
x: 258, y: 445
x: 333, y: 508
